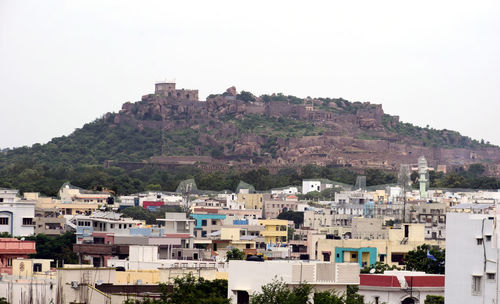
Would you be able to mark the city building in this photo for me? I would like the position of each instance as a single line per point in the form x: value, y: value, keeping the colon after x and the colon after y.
x: 275, y: 231
x: 472, y: 258
x: 321, y: 276
x: 400, y: 287
x: 16, y: 215
x: 11, y: 249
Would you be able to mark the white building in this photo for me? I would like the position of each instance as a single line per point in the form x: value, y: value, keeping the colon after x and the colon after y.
x: 309, y: 185
x: 471, y: 258
x: 396, y: 287
x: 16, y: 216
x: 285, y: 190
x: 247, y: 277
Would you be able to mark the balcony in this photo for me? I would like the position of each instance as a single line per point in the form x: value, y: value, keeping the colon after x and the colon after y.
x: 101, y: 249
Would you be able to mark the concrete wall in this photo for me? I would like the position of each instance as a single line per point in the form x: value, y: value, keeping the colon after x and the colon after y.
x: 131, y: 277
x: 167, y: 275
x: 14, y: 213
x: 465, y: 258
x: 82, y: 277
x: 17, y: 289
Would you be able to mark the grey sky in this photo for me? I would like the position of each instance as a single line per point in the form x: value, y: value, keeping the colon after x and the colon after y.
x: 65, y: 63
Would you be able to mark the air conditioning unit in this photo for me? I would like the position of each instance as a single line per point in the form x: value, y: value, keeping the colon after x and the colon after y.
x: 74, y: 284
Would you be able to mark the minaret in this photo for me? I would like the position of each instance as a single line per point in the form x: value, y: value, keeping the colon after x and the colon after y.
x: 423, y: 176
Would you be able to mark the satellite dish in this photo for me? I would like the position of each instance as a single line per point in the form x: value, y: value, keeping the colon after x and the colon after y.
x: 99, y: 282
x: 372, y: 270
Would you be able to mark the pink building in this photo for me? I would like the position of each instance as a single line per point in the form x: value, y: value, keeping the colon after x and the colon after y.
x: 10, y: 249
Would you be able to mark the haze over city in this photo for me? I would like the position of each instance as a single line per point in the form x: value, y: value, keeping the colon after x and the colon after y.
x: 65, y: 63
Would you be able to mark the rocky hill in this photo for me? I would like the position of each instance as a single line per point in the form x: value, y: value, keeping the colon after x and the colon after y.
x: 242, y: 131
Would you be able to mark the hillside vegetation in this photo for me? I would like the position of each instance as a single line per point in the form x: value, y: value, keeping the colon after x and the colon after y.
x: 79, y: 157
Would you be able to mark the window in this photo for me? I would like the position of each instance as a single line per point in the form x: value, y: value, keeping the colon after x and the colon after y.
x: 488, y: 238
x: 111, y: 226
x: 214, y: 222
x: 479, y: 241
x: 27, y: 221
x: 37, y: 267
x: 203, y: 222
x: 119, y: 226
x: 9, y: 262
x: 490, y: 276
x: 4, y: 220
x: 354, y: 256
x: 476, y: 285
x: 203, y: 233
x: 376, y: 300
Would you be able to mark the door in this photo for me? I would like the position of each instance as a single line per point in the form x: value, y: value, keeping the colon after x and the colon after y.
x: 408, y: 301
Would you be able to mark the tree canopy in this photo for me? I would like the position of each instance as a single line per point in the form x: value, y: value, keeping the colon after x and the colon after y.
x: 278, y: 292
x: 426, y: 258
x: 58, y: 248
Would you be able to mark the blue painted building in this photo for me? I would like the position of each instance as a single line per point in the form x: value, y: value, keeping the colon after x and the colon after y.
x: 202, y: 219
x: 364, y: 256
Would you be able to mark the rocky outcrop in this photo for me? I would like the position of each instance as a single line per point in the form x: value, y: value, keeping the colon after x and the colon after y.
x: 355, y: 134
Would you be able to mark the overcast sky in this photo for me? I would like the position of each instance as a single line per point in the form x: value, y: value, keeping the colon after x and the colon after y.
x: 65, y: 63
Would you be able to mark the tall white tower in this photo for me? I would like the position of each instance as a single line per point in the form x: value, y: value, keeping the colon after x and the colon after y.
x: 423, y: 176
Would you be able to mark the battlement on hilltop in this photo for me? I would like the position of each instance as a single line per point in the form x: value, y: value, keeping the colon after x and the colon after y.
x: 168, y: 89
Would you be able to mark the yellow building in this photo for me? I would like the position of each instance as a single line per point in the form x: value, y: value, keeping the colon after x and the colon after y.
x: 231, y: 237
x: 134, y: 277
x: 67, y: 208
x: 31, y: 267
x: 251, y: 200
x: 366, y: 252
x: 379, y: 196
x: 275, y: 231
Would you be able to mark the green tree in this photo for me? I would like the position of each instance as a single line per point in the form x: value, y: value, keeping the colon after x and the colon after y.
x: 153, y: 187
x: 333, y: 297
x: 296, y: 216
x: 419, y: 260
x: 58, y: 248
x: 379, y: 267
x: 278, y: 292
x: 139, y: 213
x: 430, y: 299
x: 235, y: 254
x: 245, y: 96
x: 191, y: 290
x: 3, y: 301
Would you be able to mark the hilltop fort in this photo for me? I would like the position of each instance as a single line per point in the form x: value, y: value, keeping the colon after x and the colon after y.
x: 241, y: 131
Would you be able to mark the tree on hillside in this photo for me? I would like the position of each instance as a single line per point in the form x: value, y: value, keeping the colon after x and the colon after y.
x: 245, y: 96
x: 426, y: 258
